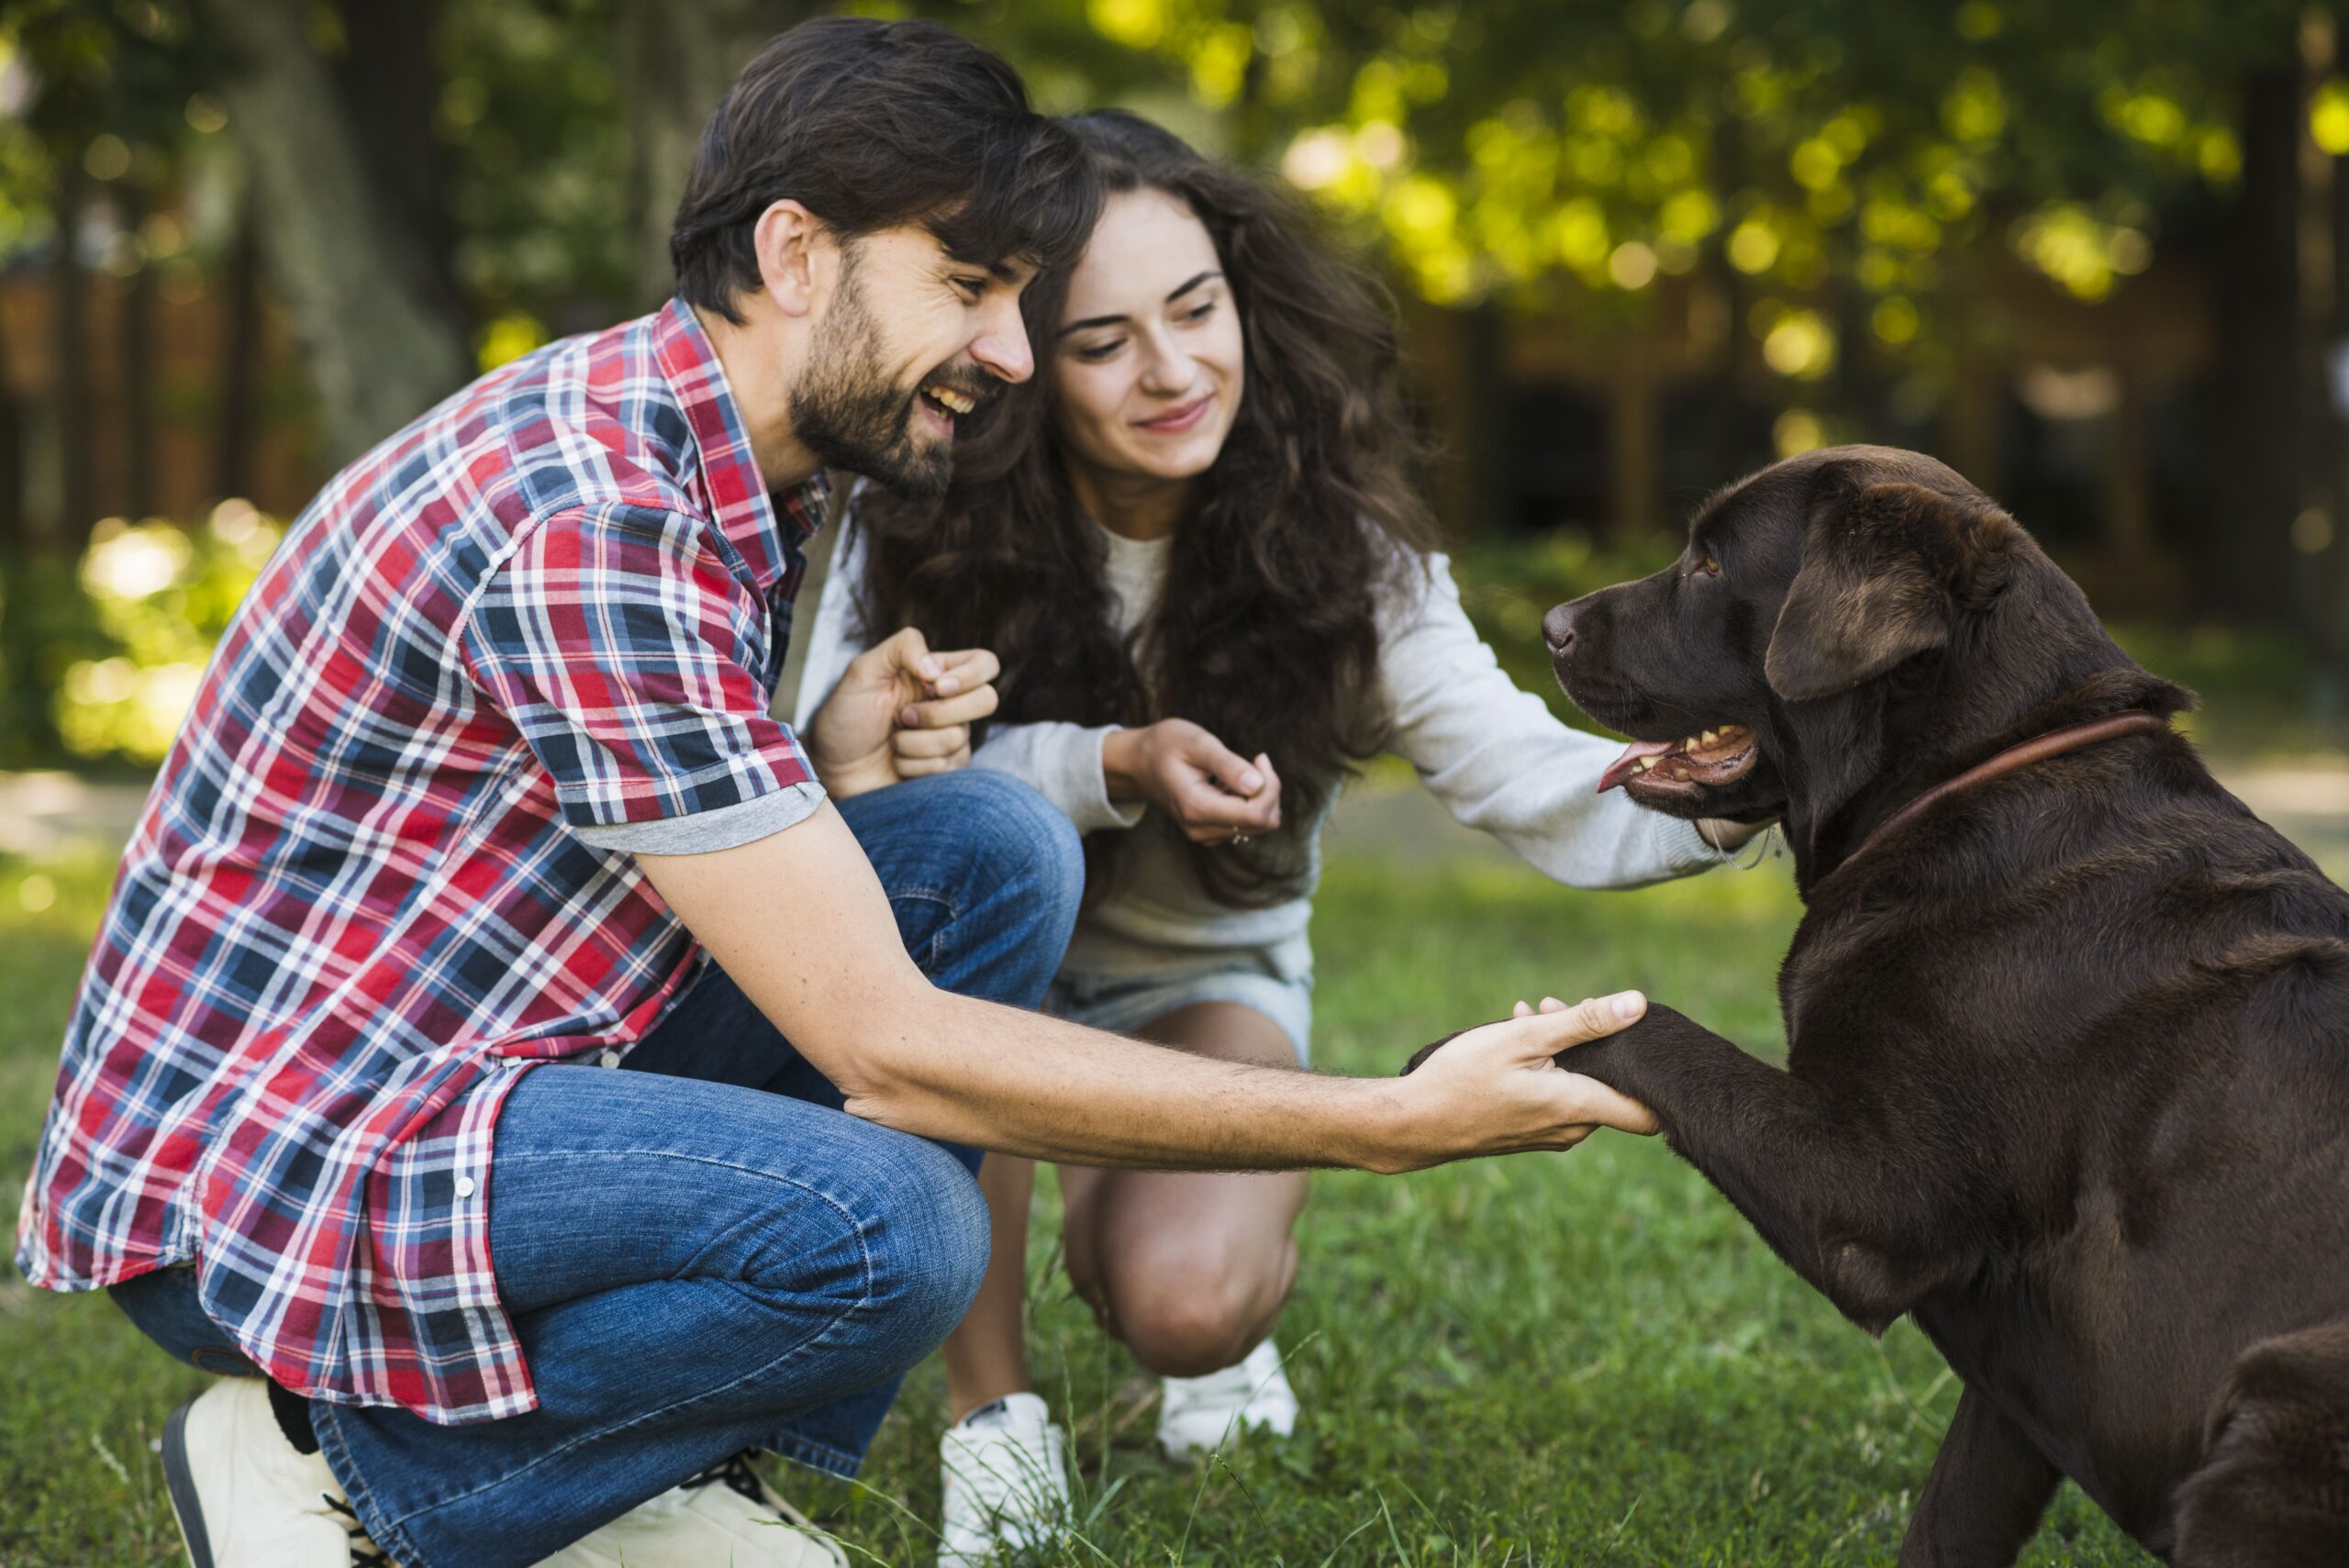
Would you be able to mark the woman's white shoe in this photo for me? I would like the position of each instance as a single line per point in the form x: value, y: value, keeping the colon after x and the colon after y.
x: 1198, y: 1415
x: 1005, y: 1471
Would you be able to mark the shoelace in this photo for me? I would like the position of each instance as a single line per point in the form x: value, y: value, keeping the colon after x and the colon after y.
x: 733, y: 1472
x: 364, y: 1553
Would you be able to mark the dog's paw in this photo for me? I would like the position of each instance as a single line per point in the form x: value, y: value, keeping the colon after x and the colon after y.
x: 1427, y: 1050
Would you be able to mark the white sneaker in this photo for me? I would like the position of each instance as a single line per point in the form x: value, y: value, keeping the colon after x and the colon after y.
x: 726, y: 1515
x: 246, y: 1498
x: 1007, y: 1483
x: 1198, y: 1414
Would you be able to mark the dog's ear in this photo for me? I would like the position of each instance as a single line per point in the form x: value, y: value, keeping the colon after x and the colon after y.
x: 1884, y: 569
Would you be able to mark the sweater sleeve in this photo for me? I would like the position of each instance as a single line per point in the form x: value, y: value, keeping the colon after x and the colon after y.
x: 1059, y: 762
x: 1501, y: 761
x: 1063, y: 764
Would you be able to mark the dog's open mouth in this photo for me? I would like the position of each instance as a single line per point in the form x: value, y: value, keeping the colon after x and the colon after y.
x: 1709, y: 759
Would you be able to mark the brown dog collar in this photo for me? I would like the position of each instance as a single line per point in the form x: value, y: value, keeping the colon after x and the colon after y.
x: 2054, y: 743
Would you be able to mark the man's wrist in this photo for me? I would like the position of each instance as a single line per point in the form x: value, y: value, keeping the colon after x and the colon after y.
x: 858, y: 778
x: 1373, y: 1127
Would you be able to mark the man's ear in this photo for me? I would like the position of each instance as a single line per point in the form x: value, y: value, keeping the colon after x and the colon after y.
x: 786, y: 239
x: 1884, y: 569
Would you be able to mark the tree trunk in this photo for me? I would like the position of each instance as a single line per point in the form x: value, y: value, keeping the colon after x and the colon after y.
x: 77, y: 487
x: 137, y: 367
x: 390, y: 86
x: 12, y: 459
x: 232, y: 433
x: 679, y: 57
x: 2332, y: 562
x: 381, y: 340
x: 2259, y: 446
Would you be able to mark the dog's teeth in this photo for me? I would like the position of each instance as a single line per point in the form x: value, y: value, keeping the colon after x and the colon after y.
x: 1645, y: 763
x: 1708, y: 737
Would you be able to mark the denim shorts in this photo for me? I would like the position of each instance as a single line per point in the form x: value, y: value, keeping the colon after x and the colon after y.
x: 1124, y: 1003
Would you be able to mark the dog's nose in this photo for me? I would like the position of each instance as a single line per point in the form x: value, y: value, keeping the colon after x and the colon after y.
x: 1558, y: 631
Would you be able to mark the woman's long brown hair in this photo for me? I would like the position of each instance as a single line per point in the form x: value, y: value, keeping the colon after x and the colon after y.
x: 1265, y: 635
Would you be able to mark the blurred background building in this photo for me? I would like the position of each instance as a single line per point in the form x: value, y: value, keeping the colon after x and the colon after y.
x: 2095, y: 255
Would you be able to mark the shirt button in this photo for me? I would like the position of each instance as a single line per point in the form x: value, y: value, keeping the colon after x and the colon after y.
x: 465, y: 1186
x: 609, y: 1059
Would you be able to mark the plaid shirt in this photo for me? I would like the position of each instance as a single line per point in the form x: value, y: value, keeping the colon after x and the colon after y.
x: 384, y: 867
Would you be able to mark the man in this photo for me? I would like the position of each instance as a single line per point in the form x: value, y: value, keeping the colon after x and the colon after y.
x: 482, y: 783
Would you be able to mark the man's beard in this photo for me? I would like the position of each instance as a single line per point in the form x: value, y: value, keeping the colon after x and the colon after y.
x: 847, y: 412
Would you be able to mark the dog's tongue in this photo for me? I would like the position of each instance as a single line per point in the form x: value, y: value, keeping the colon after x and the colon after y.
x: 1623, y: 766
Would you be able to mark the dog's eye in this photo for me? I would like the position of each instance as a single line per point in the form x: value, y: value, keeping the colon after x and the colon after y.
x: 1705, y: 566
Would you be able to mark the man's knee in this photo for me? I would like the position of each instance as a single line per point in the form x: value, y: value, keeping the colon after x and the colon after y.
x: 1022, y: 862
x: 1021, y: 832
x: 919, y: 1225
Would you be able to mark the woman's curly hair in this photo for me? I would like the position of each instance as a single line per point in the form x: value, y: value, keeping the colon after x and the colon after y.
x: 1265, y: 634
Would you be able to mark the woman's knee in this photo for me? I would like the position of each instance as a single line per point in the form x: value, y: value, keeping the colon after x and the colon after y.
x: 1188, y: 1312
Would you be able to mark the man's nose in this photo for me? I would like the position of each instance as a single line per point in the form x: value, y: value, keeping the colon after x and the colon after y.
x: 1002, y: 347
x: 1558, y: 631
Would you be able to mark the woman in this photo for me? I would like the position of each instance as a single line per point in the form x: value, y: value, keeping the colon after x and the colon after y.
x: 1194, y: 542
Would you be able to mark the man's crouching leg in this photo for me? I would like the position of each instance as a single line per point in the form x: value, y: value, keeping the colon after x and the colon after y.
x: 694, y: 1269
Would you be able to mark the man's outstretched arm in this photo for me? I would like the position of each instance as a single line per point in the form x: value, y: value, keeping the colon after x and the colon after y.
x: 799, y: 920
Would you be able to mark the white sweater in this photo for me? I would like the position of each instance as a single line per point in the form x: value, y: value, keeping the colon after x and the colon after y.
x: 1493, y: 754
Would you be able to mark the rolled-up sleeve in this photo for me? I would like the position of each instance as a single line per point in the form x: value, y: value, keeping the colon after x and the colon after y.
x: 634, y: 661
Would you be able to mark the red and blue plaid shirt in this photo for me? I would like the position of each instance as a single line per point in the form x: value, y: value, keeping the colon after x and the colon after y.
x: 385, y: 866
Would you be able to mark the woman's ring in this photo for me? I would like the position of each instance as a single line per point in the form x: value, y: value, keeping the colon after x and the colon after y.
x: 1238, y: 837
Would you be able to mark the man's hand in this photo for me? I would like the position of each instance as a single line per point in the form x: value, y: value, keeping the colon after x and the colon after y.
x: 1497, y: 1090
x: 1209, y: 791
x: 899, y: 711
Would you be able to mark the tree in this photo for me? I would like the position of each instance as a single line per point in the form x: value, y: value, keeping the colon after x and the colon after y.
x: 681, y: 56
x: 345, y: 246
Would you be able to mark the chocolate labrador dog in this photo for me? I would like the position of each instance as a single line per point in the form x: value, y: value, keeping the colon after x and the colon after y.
x: 2068, y: 1076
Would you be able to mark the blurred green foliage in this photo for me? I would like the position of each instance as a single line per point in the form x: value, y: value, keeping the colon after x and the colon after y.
x: 162, y: 595
x: 1539, y: 151
x: 1850, y: 171
x: 99, y: 658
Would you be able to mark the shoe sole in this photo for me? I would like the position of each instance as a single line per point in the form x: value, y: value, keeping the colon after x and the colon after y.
x: 180, y: 1482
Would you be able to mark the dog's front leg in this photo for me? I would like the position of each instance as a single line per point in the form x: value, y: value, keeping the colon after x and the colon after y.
x: 1864, y: 1215
x: 1983, y: 1500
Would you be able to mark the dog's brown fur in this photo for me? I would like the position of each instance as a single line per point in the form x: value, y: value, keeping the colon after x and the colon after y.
x: 2068, y: 1076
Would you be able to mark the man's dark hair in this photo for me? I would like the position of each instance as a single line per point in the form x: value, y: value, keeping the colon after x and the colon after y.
x: 870, y: 125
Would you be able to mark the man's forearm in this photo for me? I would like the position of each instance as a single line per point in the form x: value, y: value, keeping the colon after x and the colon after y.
x: 801, y: 924
x: 969, y: 1072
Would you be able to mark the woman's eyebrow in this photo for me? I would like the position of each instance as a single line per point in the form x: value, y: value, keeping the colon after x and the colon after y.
x: 1113, y: 320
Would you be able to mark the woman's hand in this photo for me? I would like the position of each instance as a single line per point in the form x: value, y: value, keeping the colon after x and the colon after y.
x: 1727, y: 836
x: 901, y: 711
x: 1209, y: 791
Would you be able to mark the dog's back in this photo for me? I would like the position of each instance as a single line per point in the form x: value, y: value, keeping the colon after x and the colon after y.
x: 2144, y: 991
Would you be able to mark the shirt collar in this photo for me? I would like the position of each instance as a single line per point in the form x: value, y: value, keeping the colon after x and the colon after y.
x: 745, y: 513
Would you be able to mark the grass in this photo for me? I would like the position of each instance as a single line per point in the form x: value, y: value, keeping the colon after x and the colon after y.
x: 1547, y: 1359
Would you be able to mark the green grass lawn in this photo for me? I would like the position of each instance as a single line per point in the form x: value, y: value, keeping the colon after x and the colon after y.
x: 1553, y: 1359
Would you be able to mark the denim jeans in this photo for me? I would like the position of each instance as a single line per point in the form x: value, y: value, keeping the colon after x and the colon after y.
x: 701, y: 1253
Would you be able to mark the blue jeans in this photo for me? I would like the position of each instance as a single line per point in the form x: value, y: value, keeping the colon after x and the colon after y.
x: 704, y: 1254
